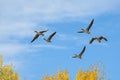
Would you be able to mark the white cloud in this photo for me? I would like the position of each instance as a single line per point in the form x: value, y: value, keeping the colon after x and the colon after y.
x: 16, y: 29
x: 11, y: 49
x: 45, y: 10
x: 67, y: 37
x: 50, y: 46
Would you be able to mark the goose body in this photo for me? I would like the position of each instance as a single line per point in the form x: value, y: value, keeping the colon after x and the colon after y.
x: 80, y: 54
x: 50, y: 37
x: 98, y: 39
x: 87, y: 29
x: 40, y: 33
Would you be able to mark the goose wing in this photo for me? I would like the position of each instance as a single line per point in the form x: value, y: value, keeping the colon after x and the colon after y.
x: 43, y: 31
x: 91, y: 40
x: 90, y: 25
x: 35, y: 37
x: 83, y: 50
x: 50, y: 37
x: 102, y: 37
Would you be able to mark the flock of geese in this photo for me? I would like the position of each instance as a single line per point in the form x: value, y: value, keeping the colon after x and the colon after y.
x: 87, y: 31
x: 40, y: 33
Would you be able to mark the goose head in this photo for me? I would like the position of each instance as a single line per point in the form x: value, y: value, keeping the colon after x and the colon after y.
x: 36, y: 31
x: 88, y: 32
x: 47, y: 40
x: 82, y: 29
x: 44, y: 39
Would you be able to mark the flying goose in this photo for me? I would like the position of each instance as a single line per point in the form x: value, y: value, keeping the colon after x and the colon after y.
x: 81, y: 53
x: 50, y: 37
x: 87, y: 29
x: 98, y: 39
x: 38, y: 34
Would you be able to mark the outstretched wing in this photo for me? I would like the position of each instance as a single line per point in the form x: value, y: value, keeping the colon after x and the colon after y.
x: 35, y: 37
x: 50, y: 37
x: 91, y: 40
x: 43, y: 31
x: 83, y: 50
x: 101, y: 37
x: 90, y: 25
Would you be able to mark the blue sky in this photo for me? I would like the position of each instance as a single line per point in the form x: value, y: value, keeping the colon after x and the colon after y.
x: 19, y: 19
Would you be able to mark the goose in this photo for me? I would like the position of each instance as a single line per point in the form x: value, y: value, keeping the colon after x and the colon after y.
x: 50, y: 37
x: 81, y: 53
x: 38, y: 34
x: 87, y: 29
x: 98, y: 39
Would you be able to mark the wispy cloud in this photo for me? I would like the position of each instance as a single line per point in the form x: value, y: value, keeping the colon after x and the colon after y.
x: 18, y: 29
x: 11, y: 49
x: 67, y: 37
x: 42, y: 10
x: 50, y: 46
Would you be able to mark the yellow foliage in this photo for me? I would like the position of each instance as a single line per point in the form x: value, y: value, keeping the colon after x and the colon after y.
x: 6, y: 72
x: 60, y: 75
x: 0, y: 60
x: 87, y: 75
x: 90, y: 74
